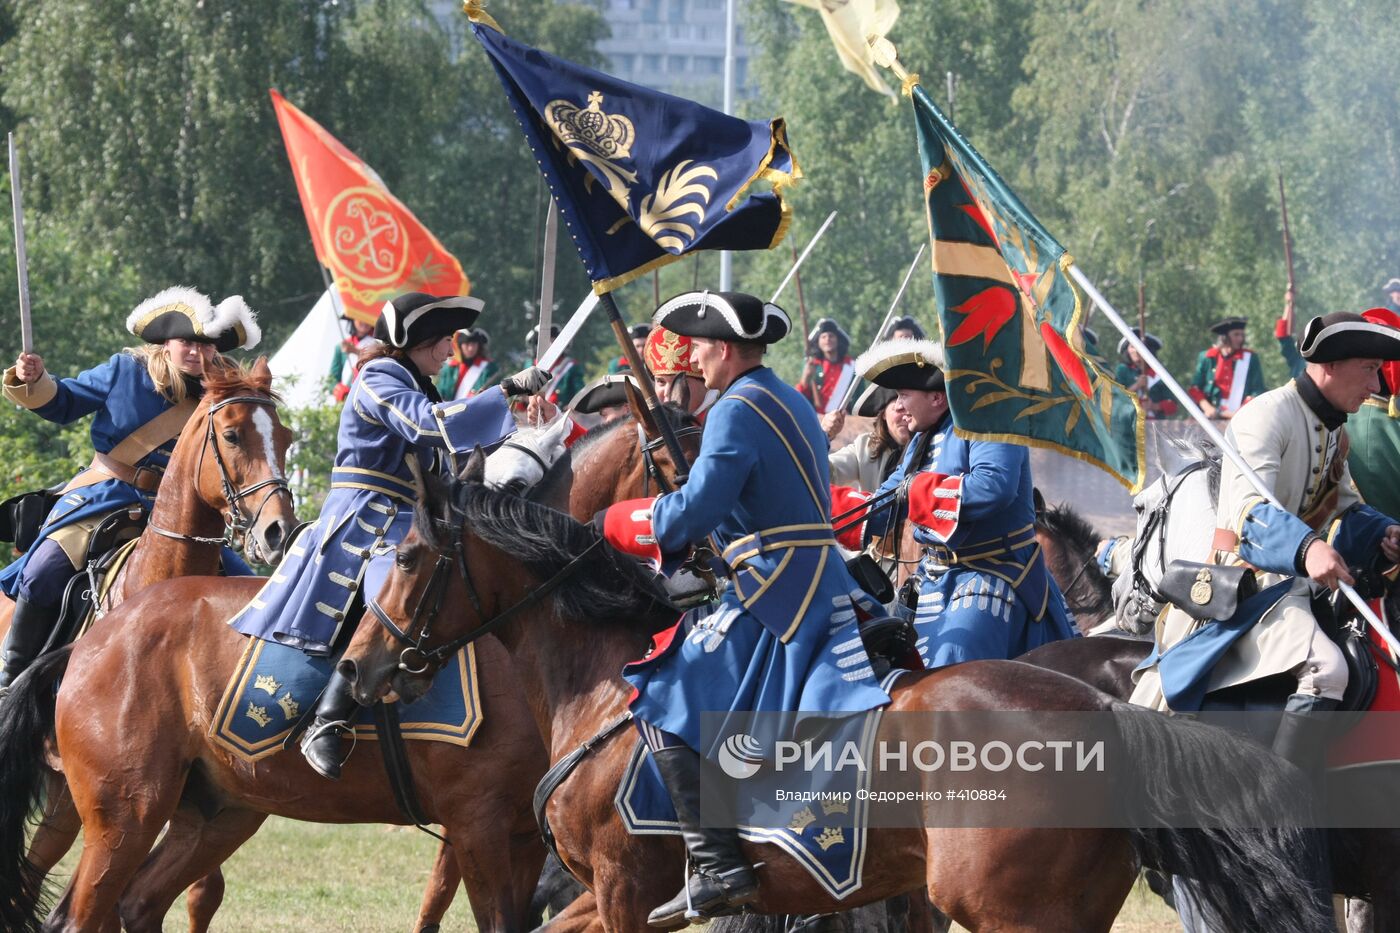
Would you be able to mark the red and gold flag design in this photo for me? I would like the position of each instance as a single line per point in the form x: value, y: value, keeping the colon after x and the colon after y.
x: 372, y: 244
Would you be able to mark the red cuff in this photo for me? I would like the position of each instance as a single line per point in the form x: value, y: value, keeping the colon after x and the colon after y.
x: 1196, y: 394
x: 843, y: 499
x: 935, y: 501
x: 1281, y: 329
x: 627, y: 527
x: 575, y: 432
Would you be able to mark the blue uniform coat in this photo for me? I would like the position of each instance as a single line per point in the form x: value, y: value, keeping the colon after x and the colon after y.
x: 784, y: 635
x: 387, y: 419
x: 984, y: 592
x: 121, y: 397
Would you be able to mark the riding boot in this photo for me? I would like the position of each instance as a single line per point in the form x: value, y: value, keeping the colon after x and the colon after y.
x: 29, y: 629
x: 720, y: 879
x: 323, y: 745
x: 1302, y: 738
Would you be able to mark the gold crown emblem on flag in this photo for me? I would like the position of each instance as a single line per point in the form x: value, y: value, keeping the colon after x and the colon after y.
x: 610, y: 135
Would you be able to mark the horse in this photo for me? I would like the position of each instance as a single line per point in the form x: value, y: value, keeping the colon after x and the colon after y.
x: 495, y: 846
x: 1176, y: 518
x: 232, y: 446
x: 1068, y: 542
x: 571, y: 612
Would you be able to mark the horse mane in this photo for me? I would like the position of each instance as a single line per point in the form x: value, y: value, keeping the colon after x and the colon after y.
x: 230, y: 379
x: 1201, y: 449
x: 1064, y: 521
x: 607, y: 587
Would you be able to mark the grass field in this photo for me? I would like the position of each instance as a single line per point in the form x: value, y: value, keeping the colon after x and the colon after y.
x: 302, y: 877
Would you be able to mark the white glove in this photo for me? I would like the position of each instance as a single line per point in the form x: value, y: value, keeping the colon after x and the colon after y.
x: 526, y: 382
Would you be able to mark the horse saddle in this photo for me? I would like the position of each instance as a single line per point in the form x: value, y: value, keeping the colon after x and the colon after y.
x: 22, y: 516
x: 108, y: 548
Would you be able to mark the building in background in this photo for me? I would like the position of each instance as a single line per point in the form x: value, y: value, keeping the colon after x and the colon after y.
x: 675, y: 46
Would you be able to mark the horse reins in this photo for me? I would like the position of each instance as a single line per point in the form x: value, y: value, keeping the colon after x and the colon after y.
x: 430, y: 603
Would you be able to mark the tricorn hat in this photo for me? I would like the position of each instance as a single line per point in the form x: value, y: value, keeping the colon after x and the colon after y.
x: 533, y: 337
x: 416, y: 317
x: 731, y: 316
x: 185, y: 314
x: 1154, y: 343
x: 903, y: 323
x: 1343, y: 335
x: 607, y: 392
x: 904, y: 364
x: 873, y: 400
x: 1393, y: 285
x: 476, y: 335
x: 639, y: 331
x: 1225, y: 325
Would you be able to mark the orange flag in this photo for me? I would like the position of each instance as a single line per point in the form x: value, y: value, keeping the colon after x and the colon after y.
x: 373, y: 245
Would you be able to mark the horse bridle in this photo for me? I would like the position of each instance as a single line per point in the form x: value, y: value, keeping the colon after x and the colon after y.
x: 652, y: 469
x: 235, y: 522
x: 1156, y: 522
x: 430, y: 603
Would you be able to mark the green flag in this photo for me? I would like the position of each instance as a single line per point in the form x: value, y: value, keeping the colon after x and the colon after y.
x: 1012, y: 319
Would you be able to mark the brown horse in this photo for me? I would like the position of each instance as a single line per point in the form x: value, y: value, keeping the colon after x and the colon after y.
x: 495, y: 844
x: 226, y: 471
x: 567, y: 652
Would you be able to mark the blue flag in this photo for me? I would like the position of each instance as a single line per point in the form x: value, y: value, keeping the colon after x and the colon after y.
x: 1012, y: 318
x: 642, y: 178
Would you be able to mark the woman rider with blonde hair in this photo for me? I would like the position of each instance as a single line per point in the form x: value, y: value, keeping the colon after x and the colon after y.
x: 140, y: 400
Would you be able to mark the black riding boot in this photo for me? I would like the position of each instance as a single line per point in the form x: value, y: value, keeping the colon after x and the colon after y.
x: 29, y: 629
x: 1302, y: 738
x: 323, y: 745
x: 721, y: 879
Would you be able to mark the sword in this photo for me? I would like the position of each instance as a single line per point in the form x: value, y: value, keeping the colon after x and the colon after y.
x: 551, y: 229
x: 571, y: 329
x: 801, y: 259
x: 26, y: 328
x: 889, y: 316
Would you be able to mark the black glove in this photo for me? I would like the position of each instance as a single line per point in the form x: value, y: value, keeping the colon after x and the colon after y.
x: 526, y: 382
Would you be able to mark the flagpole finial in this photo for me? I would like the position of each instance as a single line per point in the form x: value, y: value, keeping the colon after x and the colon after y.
x: 884, y: 54
x: 476, y: 12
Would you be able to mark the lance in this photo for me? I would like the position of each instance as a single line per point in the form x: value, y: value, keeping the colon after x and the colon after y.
x: 801, y: 298
x: 884, y: 325
x: 26, y: 327
x: 1217, y: 438
x: 1287, y: 248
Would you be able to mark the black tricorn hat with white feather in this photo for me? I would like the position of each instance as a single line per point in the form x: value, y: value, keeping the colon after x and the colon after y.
x: 184, y: 314
x: 416, y: 317
x: 1343, y: 335
x: 731, y: 316
x: 904, y: 364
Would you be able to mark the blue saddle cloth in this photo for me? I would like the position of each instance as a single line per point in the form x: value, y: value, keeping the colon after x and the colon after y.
x: 825, y: 834
x: 274, y: 684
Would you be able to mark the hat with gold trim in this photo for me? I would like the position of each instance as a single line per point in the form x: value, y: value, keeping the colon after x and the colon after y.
x: 904, y: 364
x: 181, y: 313
x: 669, y: 354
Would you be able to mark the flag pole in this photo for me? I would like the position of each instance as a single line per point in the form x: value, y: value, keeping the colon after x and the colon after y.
x: 1212, y: 432
x: 643, y: 377
x: 726, y: 259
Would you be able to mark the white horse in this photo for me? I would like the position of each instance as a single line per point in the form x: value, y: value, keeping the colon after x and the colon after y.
x: 527, y: 455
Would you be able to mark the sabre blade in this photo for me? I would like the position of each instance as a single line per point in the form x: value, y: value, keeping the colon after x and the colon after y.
x: 551, y: 245
x: 803, y: 258
x: 889, y: 316
x: 570, y: 330
x: 26, y: 327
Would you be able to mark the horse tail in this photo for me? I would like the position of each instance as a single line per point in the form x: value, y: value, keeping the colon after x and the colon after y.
x: 26, y: 721
x: 1253, y: 864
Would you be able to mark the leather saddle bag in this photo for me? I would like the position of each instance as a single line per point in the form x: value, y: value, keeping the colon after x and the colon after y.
x: 1207, y: 591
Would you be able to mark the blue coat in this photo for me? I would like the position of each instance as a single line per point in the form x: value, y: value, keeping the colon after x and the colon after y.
x: 984, y: 591
x: 387, y: 419
x: 121, y: 397
x: 784, y: 635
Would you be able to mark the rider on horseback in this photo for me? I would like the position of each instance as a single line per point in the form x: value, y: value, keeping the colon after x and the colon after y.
x: 140, y: 400
x: 1294, y: 439
x: 393, y: 414
x: 784, y: 635
x: 983, y: 588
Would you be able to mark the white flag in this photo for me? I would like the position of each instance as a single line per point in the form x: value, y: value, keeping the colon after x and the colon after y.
x: 851, y: 24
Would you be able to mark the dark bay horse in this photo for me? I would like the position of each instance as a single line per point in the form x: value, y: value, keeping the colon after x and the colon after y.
x: 567, y: 653
x: 227, y: 471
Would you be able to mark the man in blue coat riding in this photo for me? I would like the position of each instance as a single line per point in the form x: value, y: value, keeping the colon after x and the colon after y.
x: 984, y: 591
x: 784, y: 636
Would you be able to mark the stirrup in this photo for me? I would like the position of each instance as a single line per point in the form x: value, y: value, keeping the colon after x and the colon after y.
x: 319, y: 728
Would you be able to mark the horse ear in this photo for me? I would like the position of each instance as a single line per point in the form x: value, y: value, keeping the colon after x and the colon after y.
x: 475, y: 469
x: 261, y: 370
x: 1039, y: 499
x: 640, y: 411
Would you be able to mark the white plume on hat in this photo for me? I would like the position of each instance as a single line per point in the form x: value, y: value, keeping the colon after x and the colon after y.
x: 213, y: 321
x: 908, y: 351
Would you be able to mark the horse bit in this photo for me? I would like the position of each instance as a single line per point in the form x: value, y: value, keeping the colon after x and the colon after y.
x: 237, y: 522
